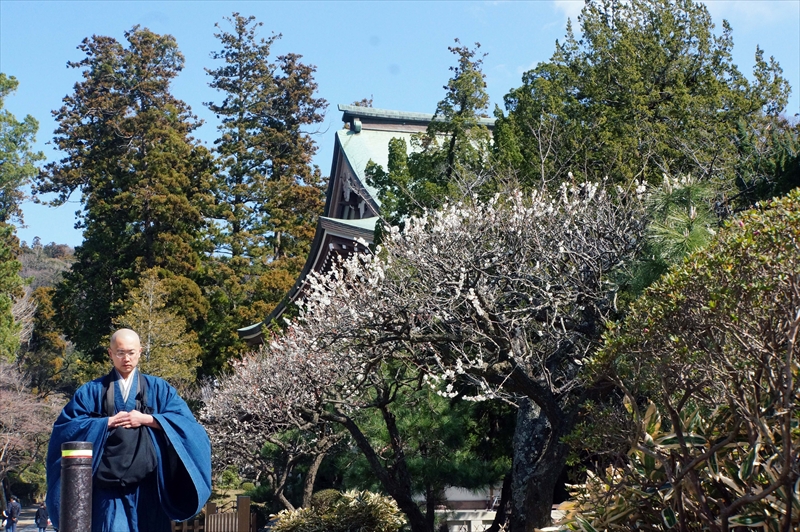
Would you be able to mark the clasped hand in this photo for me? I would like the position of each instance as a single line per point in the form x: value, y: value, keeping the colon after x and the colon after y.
x: 129, y: 420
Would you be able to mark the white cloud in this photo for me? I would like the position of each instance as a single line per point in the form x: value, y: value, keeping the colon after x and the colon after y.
x: 570, y: 8
x: 501, y: 69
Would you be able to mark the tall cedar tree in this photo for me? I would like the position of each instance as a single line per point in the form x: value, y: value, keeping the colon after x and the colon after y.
x: 449, y: 157
x: 144, y: 183
x: 45, y: 357
x: 17, y: 161
x: 648, y: 89
x: 17, y: 166
x: 268, y: 194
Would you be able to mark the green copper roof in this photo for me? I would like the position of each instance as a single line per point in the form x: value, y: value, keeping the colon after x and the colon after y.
x: 372, y: 145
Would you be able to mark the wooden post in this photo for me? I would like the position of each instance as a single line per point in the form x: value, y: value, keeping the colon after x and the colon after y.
x: 211, y: 509
x: 243, y: 511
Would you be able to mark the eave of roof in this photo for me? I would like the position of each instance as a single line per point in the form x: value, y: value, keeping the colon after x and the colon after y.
x: 351, y: 230
x: 355, y: 111
x: 350, y: 226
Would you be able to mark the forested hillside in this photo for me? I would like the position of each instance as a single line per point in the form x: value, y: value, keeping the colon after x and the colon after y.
x: 44, y: 265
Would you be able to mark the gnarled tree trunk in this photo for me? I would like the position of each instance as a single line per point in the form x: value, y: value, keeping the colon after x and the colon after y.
x: 539, y: 458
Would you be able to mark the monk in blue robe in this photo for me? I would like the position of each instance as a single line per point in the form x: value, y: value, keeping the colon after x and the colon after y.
x: 151, y: 461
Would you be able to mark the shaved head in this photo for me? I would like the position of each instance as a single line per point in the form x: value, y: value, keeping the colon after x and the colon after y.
x: 126, y: 334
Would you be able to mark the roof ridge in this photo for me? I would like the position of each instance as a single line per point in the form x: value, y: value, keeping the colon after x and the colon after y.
x: 358, y: 110
x: 352, y: 111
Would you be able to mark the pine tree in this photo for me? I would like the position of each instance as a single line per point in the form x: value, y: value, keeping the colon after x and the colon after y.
x: 268, y: 193
x: 446, y: 160
x: 17, y: 161
x: 143, y: 179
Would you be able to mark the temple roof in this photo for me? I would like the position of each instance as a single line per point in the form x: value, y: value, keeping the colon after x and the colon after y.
x: 351, y: 206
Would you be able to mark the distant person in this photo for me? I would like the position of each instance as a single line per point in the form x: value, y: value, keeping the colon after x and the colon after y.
x: 12, y: 514
x: 42, y: 519
x: 151, y: 459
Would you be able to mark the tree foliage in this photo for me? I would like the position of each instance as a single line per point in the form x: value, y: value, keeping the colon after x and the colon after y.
x: 169, y: 348
x: 713, y: 347
x: 681, y: 220
x: 25, y: 424
x: 44, y: 358
x: 17, y: 160
x: 769, y: 159
x: 11, y: 291
x: 268, y: 193
x: 17, y: 166
x: 444, y: 442
x: 648, y: 88
x: 144, y: 182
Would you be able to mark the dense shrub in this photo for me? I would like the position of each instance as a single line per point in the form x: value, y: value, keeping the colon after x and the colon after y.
x: 706, y: 436
x: 351, y: 512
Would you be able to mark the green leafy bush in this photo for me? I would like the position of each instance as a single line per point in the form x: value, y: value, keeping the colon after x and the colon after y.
x: 322, y: 500
x: 708, y: 434
x: 229, y: 478
x: 641, y: 493
x: 352, y: 511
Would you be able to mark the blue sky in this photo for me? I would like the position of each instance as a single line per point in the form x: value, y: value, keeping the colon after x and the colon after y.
x: 395, y: 52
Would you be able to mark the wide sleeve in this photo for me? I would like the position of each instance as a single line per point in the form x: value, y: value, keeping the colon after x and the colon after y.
x: 80, y: 420
x: 184, y: 454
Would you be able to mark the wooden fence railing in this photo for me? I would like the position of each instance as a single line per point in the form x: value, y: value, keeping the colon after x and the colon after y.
x: 189, y: 526
x: 240, y: 520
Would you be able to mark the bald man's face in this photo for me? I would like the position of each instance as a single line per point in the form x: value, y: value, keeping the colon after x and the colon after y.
x: 124, y: 353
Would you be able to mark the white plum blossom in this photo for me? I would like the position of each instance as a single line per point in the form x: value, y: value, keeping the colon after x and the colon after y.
x: 522, y: 266
x: 509, y: 295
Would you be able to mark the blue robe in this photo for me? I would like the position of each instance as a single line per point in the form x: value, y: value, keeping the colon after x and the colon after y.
x: 182, y: 483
